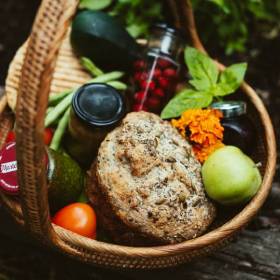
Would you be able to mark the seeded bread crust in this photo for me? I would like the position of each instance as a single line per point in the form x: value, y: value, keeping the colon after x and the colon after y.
x: 148, y: 184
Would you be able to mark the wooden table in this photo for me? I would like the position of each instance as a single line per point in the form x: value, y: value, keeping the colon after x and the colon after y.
x: 254, y: 255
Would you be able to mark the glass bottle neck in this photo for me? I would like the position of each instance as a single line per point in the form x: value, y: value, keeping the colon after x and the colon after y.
x: 164, y: 43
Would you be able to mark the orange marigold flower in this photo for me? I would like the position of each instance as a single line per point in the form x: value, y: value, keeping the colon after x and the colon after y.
x: 203, y: 152
x: 203, y: 128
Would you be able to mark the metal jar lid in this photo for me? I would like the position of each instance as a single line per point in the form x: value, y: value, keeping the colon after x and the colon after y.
x: 165, y: 39
x: 231, y: 108
x: 8, y: 169
x: 98, y: 105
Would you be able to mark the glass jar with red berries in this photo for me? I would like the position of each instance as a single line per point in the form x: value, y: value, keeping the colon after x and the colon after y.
x: 156, y: 73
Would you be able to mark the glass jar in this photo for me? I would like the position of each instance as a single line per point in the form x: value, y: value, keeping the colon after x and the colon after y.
x: 156, y: 73
x: 239, y: 130
x: 96, y: 110
x: 64, y: 176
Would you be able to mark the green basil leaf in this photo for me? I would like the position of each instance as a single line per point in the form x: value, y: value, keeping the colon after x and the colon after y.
x: 186, y: 99
x: 230, y: 79
x: 95, y: 4
x: 202, y: 69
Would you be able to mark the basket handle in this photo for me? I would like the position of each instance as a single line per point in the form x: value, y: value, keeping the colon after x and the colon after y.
x: 187, y: 18
x: 49, y: 28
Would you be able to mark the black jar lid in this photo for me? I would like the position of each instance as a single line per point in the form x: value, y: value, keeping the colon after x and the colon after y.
x: 98, y: 104
x: 231, y: 108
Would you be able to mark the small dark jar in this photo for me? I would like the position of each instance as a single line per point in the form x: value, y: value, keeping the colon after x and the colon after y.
x: 96, y: 110
x: 239, y: 130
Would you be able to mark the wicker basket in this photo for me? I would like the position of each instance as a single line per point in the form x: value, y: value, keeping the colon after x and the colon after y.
x: 31, y: 75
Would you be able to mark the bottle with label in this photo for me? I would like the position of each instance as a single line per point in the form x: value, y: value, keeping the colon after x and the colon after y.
x: 64, y: 176
x: 96, y: 110
x: 156, y: 73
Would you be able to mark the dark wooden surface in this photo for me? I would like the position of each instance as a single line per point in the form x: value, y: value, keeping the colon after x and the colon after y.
x: 254, y: 255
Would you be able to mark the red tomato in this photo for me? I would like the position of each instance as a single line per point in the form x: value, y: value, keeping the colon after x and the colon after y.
x: 11, y: 137
x: 77, y: 217
x: 48, y: 135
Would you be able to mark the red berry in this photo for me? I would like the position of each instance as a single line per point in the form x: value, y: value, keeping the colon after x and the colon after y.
x: 148, y: 85
x: 139, y: 96
x: 139, y: 64
x: 169, y: 73
x: 153, y: 103
x: 11, y: 137
x: 163, y: 82
x: 48, y: 135
x: 139, y: 107
x: 137, y: 76
x: 159, y: 93
x: 140, y: 76
x: 157, y: 73
x: 163, y: 63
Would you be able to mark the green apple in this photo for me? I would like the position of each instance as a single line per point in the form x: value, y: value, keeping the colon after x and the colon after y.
x: 230, y: 177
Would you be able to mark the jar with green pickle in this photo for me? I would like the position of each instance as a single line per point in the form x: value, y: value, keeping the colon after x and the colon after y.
x: 96, y: 110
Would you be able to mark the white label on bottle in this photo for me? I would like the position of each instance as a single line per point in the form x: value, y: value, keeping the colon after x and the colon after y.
x: 9, y: 167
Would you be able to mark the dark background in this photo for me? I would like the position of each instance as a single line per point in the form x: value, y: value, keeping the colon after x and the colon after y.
x: 255, y: 255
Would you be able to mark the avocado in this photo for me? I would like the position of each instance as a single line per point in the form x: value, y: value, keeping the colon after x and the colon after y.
x: 101, y: 38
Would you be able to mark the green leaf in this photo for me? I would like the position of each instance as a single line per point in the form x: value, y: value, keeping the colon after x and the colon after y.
x: 136, y: 30
x: 230, y: 79
x: 186, y: 99
x: 91, y: 67
x: 202, y: 69
x: 95, y: 4
x: 222, y: 4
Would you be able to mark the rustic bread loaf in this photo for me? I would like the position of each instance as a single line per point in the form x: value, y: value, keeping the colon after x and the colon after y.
x: 146, y: 185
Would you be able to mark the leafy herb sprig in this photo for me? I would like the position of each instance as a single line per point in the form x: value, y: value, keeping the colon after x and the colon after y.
x: 136, y: 15
x: 206, y: 84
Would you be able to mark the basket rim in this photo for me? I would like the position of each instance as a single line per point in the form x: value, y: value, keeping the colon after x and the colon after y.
x: 222, y: 232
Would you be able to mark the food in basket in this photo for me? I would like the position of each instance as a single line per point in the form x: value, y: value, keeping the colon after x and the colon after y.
x: 146, y: 186
x: 101, y: 38
x: 203, y: 129
x: 77, y: 217
x: 65, y: 177
x: 230, y: 177
x: 96, y: 110
x: 156, y: 73
x: 239, y: 130
x: 58, y: 112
